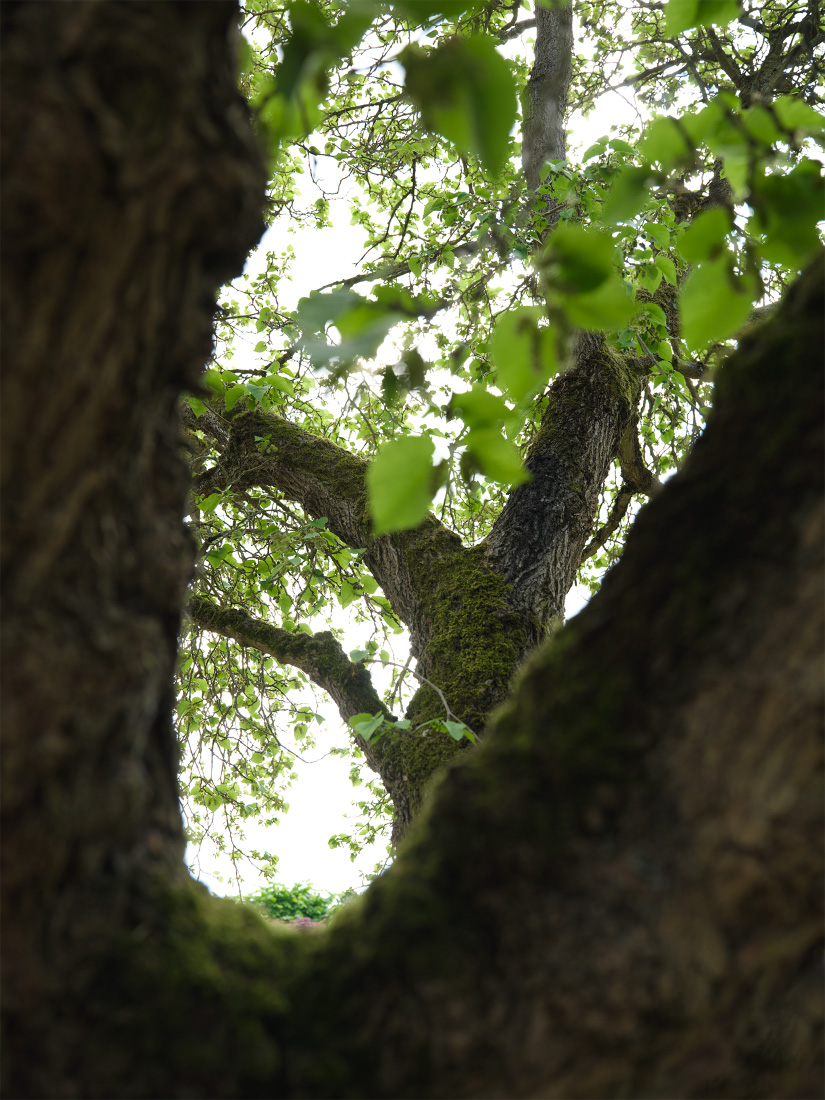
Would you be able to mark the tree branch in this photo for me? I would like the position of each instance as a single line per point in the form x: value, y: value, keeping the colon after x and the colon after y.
x: 320, y: 655
x: 545, y: 102
x: 614, y: 520
x: 537, y: 541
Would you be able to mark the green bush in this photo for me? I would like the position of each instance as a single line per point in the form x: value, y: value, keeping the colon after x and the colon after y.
x: 289, y: 903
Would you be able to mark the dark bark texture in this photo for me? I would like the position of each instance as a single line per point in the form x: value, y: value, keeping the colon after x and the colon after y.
x: 545, y: 99
x: 132, y: 187
x: 619, y: 894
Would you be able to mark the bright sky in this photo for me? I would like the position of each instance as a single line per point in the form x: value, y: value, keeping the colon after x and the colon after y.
x: 323, y: 800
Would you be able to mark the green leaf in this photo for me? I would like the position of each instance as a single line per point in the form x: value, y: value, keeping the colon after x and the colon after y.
x: 628, y: 194
x: 649, y: 277
x: 260, y: 347
x: 319, y: 309
x: 664, y: 140
x: 659, y: 234
x: 714, y: 303
x: 197, y: 406
x: 365, y: 725
x: 667, y: 267
x: 705, y: 236
x: 761, y: 124
x: 788, y: 208
x: 423, y: 12
x: 456, y: 730
x: 497, y: 458
x: 523, y: 354
x: 621, y: 146
x: 258, y: 392
x: 608, y: 308
x: 681, y: 15
x: 577, y: 259
x: 213, y: 381
x: 798, y: 116
x: 702, y: 125
x: 356, y: 656
x: 595, y: 150
x: 233, y: 395
x: 279, y: 382
x: 465, y: 91
x: 400, y: 484
x: 478, y: 408
x: 208, y: 505
x: 415, y: 265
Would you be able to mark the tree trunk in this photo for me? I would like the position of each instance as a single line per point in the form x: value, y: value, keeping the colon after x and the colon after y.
x: 132, y: 187
x: 618, y: 894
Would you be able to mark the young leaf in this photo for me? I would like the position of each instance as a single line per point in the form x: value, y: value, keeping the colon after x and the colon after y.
x: 705, y: 236
x: 465, y: 91
x: 233, y: 395
x: 628, y: 194
x: 681, y: 15
x: 714, y: 303
x: 497, y: 458
x: 400, y: 484
x: 479, y: 408
x: 608, y: 308
x: 665, y: 141
x: 365, y: 725
x: 456, y: 730
x: 577, y: 260
x: 667, y: 267
x: 524, y: 355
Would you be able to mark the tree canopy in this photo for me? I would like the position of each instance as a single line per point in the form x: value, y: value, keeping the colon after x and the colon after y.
x: 447, y: 441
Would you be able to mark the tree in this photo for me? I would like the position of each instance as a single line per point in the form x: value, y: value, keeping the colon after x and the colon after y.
x: 618, y: 892
x: 284, y: 508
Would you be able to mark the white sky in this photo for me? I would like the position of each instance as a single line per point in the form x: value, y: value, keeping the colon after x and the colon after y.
x: 322, y: 801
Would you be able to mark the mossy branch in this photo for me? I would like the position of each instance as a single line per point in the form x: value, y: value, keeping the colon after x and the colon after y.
x: 319, y: 655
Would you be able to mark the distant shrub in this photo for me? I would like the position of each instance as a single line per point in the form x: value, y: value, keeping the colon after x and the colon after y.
x: 299, y: 902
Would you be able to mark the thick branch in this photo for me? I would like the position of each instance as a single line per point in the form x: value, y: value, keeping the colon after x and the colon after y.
x: 536, y: 543
x: 614, y: 520
x: 320, y: 655
x: 327, y: 480
x: 545, y: 99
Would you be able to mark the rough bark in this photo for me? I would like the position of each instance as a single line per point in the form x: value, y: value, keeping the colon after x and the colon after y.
x: 132, y: 187
x: 537, y: 543
x: 545, y: 100
x: 618, y: 894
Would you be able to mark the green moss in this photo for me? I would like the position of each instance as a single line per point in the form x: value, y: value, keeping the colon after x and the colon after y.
x: 472, y: 643
x: 609, y: 387
x: 200, y: 984
x: 341, y: 473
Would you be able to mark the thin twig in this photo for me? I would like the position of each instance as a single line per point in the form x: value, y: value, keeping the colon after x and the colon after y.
x: 424, y: 680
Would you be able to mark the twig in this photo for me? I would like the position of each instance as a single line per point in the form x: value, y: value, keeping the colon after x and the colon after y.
x: 424, y: 680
